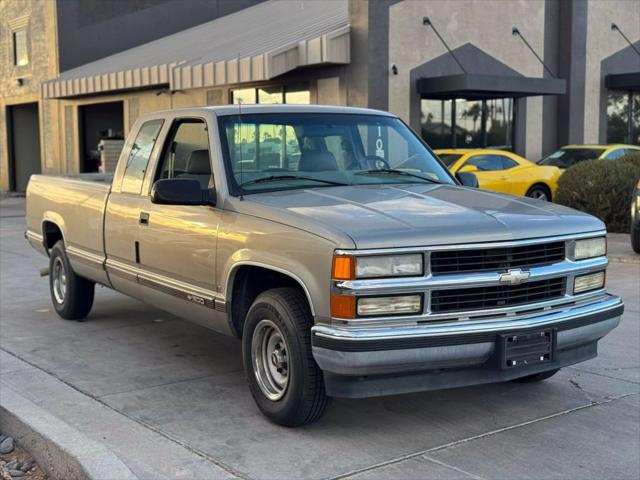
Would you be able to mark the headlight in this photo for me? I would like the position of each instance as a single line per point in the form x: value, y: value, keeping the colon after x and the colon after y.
x: 585, y: 283
x: 589, y: 248
x: 346, y: 267
x: 400, y: 305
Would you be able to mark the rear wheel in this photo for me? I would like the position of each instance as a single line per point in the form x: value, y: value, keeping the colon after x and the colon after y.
x: 536, y: 377
x: 540, y: 192
x: 72, y: 295
x: 284, y: 379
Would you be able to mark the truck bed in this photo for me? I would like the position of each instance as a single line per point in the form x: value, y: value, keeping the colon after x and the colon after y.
x: 76, y: 204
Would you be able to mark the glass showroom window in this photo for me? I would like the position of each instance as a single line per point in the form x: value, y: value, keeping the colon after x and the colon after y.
x: 623, y: 117
x: 292, y: 94
x: 461, y: 123
x: 436, y: 123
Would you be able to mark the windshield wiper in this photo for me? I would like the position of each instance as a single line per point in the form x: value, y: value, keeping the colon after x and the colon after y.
x: 274, y: 178
x: 392, y: 171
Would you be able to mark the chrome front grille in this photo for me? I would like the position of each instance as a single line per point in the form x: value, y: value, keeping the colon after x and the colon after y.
x: 479, y: 298
x: 496, y: 259
x: 464, y: 283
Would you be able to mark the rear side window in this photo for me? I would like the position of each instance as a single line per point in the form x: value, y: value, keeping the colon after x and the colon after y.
x: 508, y: 163
x: 567, y: 157
x: 186, y: 153
x: 139, y: 157
x: 615, y: 154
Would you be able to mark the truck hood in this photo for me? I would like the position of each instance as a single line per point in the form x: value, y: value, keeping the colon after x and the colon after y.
x: 384, y: 216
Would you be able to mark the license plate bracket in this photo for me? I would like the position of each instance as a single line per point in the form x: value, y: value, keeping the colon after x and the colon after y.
x: 525, y: 349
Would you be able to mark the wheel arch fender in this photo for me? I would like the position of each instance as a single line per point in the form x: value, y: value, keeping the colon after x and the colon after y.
x: 52, y: 223
x: 233, y: 269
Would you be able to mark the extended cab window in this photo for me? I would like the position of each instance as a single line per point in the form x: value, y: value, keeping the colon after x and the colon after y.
x: 139, y: 156
x: 186, y: 153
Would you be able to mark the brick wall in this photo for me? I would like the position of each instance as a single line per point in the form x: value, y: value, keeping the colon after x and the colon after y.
x: 38, y: 17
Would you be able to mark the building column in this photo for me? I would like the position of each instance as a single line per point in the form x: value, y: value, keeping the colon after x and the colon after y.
x: 572, y: 48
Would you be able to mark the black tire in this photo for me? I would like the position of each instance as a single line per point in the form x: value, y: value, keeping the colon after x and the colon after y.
x: 635, y: 236
x: 536, y: 377
x: 540, y: 192
x: 303, y: 399
x: 74, y: 301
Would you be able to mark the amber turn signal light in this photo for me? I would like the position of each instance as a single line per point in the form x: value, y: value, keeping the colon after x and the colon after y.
x: 343, y: 306
x: 344, y: 267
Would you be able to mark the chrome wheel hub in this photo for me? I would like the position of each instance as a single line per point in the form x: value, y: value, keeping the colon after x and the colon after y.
x: 539, y: 194
x: 269, y: 355
x: 59, y: 276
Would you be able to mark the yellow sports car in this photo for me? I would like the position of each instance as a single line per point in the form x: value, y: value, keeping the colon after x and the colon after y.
x: 503, y: 171
x: 569, y: 155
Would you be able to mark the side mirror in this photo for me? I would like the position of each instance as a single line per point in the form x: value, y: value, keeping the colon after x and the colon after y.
x: 468, y: 169
x: 468, y: 179
x: 181, y: 191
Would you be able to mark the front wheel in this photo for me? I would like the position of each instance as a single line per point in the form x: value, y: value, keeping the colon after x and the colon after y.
x: 539, y: 192
x: 284, y: 379
x: 71, y: 294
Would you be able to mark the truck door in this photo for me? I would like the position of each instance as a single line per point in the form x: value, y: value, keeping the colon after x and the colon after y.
x: 122, y: 211
x: 178, y: 242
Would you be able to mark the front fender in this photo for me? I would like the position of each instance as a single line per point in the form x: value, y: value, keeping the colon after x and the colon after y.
x: 306, y: 258
x: 276, y: 265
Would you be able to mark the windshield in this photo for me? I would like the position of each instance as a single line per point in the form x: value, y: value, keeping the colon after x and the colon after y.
x: 565, y: 158
x: 282, y: 151
x: 449, y: 158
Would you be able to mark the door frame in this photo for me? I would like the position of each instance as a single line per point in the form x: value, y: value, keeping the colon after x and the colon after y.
x: 11, y: 170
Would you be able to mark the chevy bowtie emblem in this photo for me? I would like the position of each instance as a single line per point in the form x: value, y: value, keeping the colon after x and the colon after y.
x: 514, y: 276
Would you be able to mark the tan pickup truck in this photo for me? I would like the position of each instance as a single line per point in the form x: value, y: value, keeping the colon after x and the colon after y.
x: 336, y: 245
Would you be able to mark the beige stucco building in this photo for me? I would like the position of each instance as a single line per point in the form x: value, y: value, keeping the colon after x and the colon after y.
x: 76, y: 72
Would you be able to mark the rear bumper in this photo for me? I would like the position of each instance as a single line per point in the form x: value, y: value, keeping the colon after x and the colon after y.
x: 379, y: 361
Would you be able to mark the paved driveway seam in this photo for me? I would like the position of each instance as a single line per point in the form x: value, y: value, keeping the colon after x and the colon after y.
x: 490, y: 433
x: 600, y: 374
x: 451, y: 467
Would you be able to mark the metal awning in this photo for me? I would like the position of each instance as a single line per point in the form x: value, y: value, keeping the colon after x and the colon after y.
x: 473, y: 86
x: 254, y: 44
x: 623, y: 81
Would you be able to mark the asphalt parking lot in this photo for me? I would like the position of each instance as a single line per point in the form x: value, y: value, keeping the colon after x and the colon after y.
x: 169, y: 399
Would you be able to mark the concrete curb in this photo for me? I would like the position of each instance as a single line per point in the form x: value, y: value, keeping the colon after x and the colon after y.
x: 61, y: 450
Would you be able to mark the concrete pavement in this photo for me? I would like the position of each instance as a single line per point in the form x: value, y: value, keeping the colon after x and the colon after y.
x: 169, y: 398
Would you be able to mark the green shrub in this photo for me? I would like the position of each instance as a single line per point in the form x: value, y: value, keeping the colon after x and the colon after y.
x: 602, y: 188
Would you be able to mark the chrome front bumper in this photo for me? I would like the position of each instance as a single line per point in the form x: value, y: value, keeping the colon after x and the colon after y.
x: 382, y: 361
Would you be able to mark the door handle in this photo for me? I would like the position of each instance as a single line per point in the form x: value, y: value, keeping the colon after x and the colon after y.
x: 144, y: 218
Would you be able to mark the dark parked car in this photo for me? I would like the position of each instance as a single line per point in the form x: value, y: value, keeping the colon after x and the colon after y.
x: 635, y: 219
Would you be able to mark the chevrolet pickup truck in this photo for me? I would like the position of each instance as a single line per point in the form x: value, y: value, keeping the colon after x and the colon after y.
x: 336, y: 246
